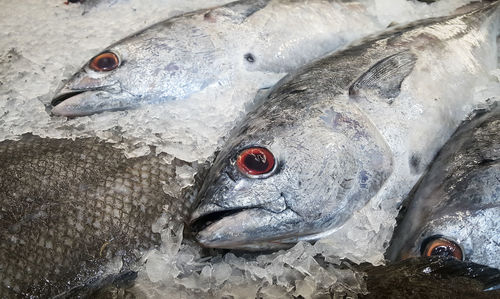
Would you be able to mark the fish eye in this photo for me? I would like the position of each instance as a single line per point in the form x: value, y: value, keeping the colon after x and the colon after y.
x: 256, y: 161
x: 104, y: 62
x: 440, y: 246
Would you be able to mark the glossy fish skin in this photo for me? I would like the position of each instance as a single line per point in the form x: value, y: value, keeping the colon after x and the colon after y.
x: 70, y: 208
x: 243, y: 41
x: 359, y: 125
x: 459, y: 198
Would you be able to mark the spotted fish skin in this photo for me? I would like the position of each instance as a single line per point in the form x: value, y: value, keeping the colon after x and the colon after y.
x: 70, y: 207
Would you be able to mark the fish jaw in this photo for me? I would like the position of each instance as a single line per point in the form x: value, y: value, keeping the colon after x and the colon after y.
x: 72, y: 103
x: 246, y: 229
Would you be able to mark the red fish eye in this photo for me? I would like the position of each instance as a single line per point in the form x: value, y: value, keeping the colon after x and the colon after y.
x: 443, y: 247
x: 255, y: 161
x: 104, y: 62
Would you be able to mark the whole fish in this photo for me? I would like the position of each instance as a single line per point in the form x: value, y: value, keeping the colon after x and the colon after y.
x: 455, y: 210
x: 354, y: 127
x: 70, y: 209
x: 214, y: 47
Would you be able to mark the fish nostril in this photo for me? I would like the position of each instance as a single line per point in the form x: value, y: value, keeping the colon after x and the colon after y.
x: 62, y: 97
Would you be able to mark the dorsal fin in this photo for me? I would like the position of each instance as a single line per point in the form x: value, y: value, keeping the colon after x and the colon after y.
x: 385, y: 77
x: 238, y: 11
x: 469, y: 7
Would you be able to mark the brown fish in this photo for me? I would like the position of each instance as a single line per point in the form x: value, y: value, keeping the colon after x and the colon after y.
x: 69, y: 208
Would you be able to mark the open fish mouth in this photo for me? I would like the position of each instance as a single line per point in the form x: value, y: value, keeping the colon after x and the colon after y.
x: 248, y: 228
x: 72, y: 103
x: 64, y: 95
x: 202, y: 222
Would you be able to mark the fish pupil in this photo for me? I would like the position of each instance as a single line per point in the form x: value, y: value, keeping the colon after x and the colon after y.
x: 445, y: 251
x: 257, y: 162
x: 106, y: 62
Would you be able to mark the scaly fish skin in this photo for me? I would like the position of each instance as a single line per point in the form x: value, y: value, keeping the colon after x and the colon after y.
x: 250, y: 43
x: 69, y: 208
x: 355, y: 127
x: 459, y: 198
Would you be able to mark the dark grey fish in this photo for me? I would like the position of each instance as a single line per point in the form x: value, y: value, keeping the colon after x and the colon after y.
x: 431, y: 278
x: 70, y: 209
x: 356, y: 127
x: 250, y: 43
x: 455, y: 211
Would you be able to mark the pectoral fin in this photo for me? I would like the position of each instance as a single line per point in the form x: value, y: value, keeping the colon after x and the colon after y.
x: 386, y: 76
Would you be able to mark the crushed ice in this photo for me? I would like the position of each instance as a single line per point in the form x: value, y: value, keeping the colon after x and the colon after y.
x: 296, y: 271
x: 44, y: 42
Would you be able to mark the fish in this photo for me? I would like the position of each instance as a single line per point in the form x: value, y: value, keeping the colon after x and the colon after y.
x: 455, y: 210
x: 74, y: 211
x: 250, y: 43
x: 434, y: 277
x: 356, y: 127
x: 89, y: 4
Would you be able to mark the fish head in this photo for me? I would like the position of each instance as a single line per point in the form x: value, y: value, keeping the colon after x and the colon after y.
x: 274, y: 185
x: 152, y: 66
x: 460, y: 221
x: 470, y: 235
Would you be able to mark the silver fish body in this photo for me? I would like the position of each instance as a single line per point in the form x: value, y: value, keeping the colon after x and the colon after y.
x: 459, y: 199
x: 357, y: 126
x: 231, y: 45
x: 71, y: 208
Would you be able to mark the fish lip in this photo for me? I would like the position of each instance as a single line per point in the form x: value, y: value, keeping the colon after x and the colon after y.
x: 84, y: 102
x: 202, y: 221
x: 211, y: 235
x: 65, y: 94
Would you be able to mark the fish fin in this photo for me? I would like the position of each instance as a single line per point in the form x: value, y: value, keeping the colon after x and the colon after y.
x: 393, y: 24
x: 471, y: 6
x: 238, y: 11
x: 263, y: 92
x: 386, y: 76
x: 259, y: 98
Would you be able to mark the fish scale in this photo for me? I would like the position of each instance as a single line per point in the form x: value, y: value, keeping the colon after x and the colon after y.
x: 69, y: 207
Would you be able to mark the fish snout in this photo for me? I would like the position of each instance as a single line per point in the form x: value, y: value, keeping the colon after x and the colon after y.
x: 80, y: 102
x: 64, y: 94
x: 242, y: 228
x: 208, y: 213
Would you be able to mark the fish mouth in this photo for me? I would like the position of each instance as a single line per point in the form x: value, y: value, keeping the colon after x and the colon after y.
x: 243, y: 228
x: 203, y: 221
x: 72, y: 103
x: 82, y: 102
x: 65, y: 94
